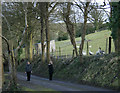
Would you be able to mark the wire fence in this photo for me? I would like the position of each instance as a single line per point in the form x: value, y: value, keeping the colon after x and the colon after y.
x: 59, y: 53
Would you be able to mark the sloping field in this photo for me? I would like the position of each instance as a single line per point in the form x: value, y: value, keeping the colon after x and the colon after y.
x: 96, y: 40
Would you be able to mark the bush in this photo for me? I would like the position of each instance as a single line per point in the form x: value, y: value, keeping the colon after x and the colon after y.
x: 79, y: 29
x: 62, y: 36
x: 96, y: 71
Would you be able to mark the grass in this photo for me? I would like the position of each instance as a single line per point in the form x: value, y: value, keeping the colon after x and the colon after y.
x: 38, y: 88
x: 96, y: 40
x: 6, y: 87
x: 26, y: 89
x: 95, y: 70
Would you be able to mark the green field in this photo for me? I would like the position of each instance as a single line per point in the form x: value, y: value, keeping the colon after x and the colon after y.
x: 96, y: 40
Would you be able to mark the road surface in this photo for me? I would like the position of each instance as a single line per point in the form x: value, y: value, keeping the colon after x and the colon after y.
x: 42, y: 84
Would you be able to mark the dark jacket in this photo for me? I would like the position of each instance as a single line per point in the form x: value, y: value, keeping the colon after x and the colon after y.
x: 50, y: 66
x: 28, y: 68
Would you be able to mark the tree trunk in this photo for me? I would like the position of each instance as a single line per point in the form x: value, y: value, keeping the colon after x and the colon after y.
x: 42, y: 15
x: 115, y: 24
x: 70, y: 30
x: 13, y: 73
x: 47, y: 32
x: 12, y: 65
x: 119, y: 47
x: 70, y: 27
x: 116, y: 45
x: 118, y: 51
x: 106, y: 45
x: 119, y: 40
x: 27, y: 51
x: 25, y: 29
x: 27, y: 45
x: 87, y: 48
x: 84, y: 32
x: 109, y: 45
x: 43, y: 45
x: 45, y: 17
x: 1, y: 64
x: 31, y: 47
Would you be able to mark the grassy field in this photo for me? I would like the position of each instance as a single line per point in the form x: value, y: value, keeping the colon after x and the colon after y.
x: 96, y: 40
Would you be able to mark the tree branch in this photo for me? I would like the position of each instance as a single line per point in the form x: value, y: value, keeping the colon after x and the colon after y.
x: 52, y: 8
x: 6, y: 43
x: 79, y: 7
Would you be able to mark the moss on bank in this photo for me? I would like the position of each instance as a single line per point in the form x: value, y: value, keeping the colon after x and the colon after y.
x: 95, y: 70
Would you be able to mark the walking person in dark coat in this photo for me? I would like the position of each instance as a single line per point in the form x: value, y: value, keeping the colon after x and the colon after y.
x: 50, y: 66
x: 28, y: 70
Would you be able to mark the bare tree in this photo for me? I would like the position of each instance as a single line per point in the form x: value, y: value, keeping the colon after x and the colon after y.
x: 84, y: 9
x: 42, y: 21
x: 24, y: 33
x: 11, y: 61
x: 115, y: 22
x: 12, y: 64
x: 1, y: 64
x: 69, y: 25
x: 47, y: 30
x: 97, y: 18
x: 45, y: 13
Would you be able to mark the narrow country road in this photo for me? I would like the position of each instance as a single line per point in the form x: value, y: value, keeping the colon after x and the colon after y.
x: 38, y: 84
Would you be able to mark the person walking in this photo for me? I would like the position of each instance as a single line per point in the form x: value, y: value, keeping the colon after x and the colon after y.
x: 28, y: 70
x: 50, y: 66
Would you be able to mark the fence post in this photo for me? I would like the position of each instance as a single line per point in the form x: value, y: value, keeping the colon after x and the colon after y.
x: 106, y: 45
x: 73, y: 53
x: 66, y: 55
x: 109, y: 45
x: 37, y: 50
x: 56, y: 54
x: 33, y: 51
x: 59, y: 51
x: 52, y: 51
x: 87, y: 48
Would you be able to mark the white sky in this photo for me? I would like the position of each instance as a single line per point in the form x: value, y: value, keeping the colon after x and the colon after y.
x: 100, y: 2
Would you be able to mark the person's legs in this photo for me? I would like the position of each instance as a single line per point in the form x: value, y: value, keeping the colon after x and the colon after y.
x: 50, y: 76
x: 29, y: 76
